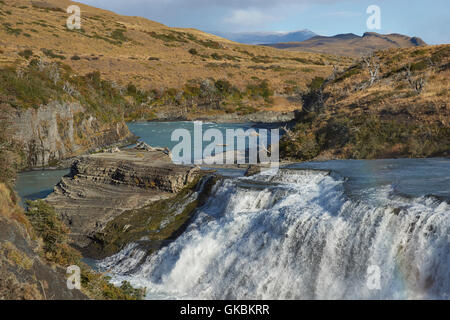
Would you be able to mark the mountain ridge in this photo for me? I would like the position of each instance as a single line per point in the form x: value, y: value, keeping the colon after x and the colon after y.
x: 255, y: 38
x: 350, y: 44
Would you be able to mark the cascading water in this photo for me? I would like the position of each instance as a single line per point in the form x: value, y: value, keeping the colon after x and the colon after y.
x: 298, y: 235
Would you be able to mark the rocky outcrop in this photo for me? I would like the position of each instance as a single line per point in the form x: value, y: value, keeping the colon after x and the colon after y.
x: 23, y: 273
x: 102, y: 186
x: 60, y: 131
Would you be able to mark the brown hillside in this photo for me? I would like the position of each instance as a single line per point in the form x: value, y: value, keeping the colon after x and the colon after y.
x: 150, y: 55
x: 395, y: 104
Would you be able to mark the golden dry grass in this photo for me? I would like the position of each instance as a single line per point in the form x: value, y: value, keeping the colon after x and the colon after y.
x: 151, y: 55
x: 392, y: 92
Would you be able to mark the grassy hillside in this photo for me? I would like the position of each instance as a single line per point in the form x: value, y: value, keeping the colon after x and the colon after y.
x: 395, y: 104
x: 352, y: 45
x: 157, y: 60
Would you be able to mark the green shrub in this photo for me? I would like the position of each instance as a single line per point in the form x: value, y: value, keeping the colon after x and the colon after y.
x: 419, y: 66
x: 216, y: 56
x: 209, y: 44
x: 259, y: 90
x: 224, y: 87
x: 26, y: 53
x: 131, y: 89
x: 53, y: 232
x: 119, y: 35
x: 51, y: 54
x: 354, y: 70
x: 316, y: 83
x: 169, y: 37
x: 10, y: 30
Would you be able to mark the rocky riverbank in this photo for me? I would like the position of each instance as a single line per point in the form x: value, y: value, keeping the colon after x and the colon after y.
x: 257, y: 117
x: 100, y: 187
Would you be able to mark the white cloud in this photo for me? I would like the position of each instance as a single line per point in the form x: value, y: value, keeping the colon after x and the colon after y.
x: 248, y: 18
x: 344, y: 14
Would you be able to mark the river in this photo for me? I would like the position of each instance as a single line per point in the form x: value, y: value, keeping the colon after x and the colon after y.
x: 319, y: 230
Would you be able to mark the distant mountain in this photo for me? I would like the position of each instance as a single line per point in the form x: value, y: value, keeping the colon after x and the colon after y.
x: 267, y: 37
x: 351, y: 44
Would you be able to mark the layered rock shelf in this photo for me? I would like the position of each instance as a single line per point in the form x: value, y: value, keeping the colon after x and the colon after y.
x: 100, y: 187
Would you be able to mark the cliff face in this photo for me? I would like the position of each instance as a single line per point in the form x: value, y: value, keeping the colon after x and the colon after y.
x: 58, y: 131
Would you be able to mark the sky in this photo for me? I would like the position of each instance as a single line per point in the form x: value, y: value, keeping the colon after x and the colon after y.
x: 426, y: 19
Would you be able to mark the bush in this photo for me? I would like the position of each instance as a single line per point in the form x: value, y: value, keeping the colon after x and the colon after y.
x: 51, y: 54
x: 260, y: 90
x: 223, y: 86
x: 119, y: 35
x: 10, y: 30
x: 316, y: 83
x: 193, y: 51
x: 26, y: 53
x: 131, y: 89
x: 53, y: 232
x: 216, y: 56
x: 75, y: 58
x: 171, y: 37
x: 419, y: 66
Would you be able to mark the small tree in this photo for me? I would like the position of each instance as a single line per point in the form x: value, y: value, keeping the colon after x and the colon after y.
x: 373, y: 65
x: 416, y: 84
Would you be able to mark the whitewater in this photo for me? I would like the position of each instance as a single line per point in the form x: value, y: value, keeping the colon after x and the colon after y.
x: 298, y: 235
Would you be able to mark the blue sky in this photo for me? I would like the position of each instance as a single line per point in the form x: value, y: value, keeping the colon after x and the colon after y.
x: 426, y: 19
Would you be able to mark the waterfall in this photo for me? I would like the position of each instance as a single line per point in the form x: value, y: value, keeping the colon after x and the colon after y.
x: 298, y: 235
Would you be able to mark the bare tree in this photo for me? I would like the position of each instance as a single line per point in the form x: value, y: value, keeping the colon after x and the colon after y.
x: 53, y: 73
x: 20, y: 73
x: 41, y: 64
x: 70, y: 90
x: 289, y: 133
x: 333, y: 76
x: 430, y: 62
x: 373, y: 65
x: 417, y: 84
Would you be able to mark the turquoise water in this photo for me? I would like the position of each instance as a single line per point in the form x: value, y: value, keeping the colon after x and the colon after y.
x: 35, y: 185
x: 409, y: 177
x: 159, y: 134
